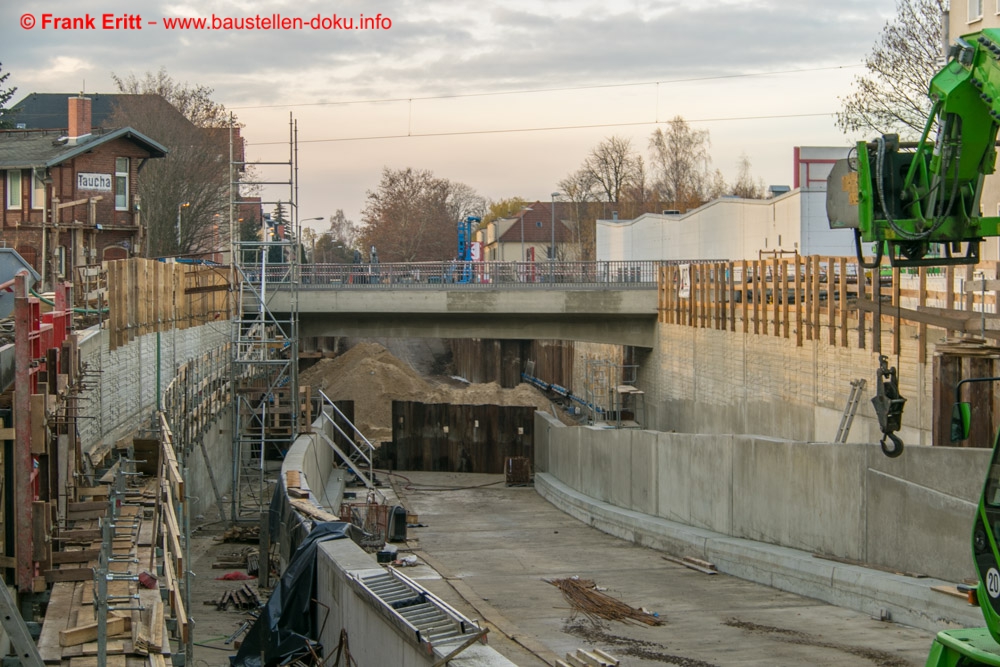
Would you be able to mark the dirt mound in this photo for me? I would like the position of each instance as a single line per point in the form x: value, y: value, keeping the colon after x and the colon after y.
x: 373, y: 378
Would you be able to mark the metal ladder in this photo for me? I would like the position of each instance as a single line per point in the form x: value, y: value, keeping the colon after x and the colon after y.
x: 857, y: 389
x: 432, y: 622
x: 17, y: 630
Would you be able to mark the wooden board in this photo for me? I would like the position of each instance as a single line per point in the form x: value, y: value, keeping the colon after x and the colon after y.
x: 87, y: 632
x: 56, y: 619
x: 72, y: 574
x: 91, y: 661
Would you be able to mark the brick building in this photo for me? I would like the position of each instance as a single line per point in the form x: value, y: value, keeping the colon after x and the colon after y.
x: 71, y: 197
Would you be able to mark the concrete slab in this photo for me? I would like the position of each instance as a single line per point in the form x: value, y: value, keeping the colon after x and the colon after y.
x: 494, y: 548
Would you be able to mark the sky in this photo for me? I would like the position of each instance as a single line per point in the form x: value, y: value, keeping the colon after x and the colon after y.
x: 507, y: 97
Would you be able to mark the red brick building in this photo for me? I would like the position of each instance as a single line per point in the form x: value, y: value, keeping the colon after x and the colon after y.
x: 71, y: 197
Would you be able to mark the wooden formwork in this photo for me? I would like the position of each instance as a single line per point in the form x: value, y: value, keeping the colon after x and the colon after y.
x: 147, y: 296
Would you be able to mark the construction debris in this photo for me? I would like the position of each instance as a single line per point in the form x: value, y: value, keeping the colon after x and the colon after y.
x: 583, y: 595
x: 593, y: 658
x: 697, y: 564
x: 246, y: 534
x: 243, y: 598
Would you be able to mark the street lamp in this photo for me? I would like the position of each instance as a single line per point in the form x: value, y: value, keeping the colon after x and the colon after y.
x: 552, y: 249
x: 523, y: 211
x: 314, y: 237
x: 179, y: 207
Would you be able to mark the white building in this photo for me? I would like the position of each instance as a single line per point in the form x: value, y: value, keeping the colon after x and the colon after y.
x: 735, y: 229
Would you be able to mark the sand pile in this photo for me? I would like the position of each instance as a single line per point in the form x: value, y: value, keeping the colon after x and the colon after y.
x: 373, y: 378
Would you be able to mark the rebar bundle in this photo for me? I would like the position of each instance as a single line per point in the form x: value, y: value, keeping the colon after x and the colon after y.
x: 584, y: 596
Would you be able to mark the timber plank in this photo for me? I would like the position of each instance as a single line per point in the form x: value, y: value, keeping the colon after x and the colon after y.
x: 87, y: 632
x: 72, y: 574
x: 56, y: 619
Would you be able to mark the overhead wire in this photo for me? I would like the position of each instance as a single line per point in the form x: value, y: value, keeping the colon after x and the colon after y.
x: 550, y: 128
x: 583, y: 126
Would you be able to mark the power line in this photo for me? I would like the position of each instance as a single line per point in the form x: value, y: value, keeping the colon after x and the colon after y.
x: 529, y: 91
x: 458, y: 133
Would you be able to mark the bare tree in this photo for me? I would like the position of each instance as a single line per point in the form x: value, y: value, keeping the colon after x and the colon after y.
x: 412, y: 216
x: 680, y: 164
x: 716, y: 186
x: 578, y: 188
x: 184, y: 198
x: 612, y: 167
x: 194, y: 102
x: 891, y: 97
x: 746, y: 186
x: 638, y: 197
x: 464, y: 201
x: 342, y: 229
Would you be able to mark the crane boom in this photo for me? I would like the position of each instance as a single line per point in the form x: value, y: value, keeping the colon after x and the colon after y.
x: 919, y: 202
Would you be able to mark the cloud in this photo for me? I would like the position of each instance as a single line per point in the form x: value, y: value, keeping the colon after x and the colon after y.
x: 442, y: 47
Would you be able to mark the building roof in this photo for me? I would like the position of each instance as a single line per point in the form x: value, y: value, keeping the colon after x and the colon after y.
x: 49, y: 111
x: 537, y: 226
x: 20, y: 149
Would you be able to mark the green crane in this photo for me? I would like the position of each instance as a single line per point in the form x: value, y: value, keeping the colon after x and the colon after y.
x: 919, y: 202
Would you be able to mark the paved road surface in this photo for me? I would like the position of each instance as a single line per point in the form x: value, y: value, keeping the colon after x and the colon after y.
x: 493, y: 548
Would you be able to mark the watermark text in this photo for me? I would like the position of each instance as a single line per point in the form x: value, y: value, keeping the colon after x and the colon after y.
x: 256, y: 22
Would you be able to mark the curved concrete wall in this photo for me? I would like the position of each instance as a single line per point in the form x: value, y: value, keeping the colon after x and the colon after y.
x: 910, y: 514
x: 373, y: 639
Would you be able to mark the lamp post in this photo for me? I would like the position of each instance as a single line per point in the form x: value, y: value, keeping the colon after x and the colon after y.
x: 552, y: 248
x: 298, y: 245
x: 179, y: 207
x: 314, y: 236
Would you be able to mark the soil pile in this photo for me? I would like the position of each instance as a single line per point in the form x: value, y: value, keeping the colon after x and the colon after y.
x: 373, y: 378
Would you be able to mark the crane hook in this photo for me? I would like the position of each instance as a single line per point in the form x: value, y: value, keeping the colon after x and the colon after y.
x: 888, y: 406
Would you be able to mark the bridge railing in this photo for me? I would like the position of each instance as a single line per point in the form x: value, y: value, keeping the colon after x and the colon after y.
x: 477, y: 275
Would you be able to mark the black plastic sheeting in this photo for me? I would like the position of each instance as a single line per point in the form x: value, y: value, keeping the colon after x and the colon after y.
x: 286, y: 627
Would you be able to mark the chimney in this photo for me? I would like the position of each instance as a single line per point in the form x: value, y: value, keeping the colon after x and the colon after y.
x: 79, y: 118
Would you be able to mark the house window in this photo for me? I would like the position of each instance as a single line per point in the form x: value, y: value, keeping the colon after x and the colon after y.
x: 14, y: 189
x: 975, y: 10
x: 121, y: 184
x: 37, y: 191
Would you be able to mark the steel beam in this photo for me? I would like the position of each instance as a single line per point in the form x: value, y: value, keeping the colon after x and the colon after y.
x: 23, y: 466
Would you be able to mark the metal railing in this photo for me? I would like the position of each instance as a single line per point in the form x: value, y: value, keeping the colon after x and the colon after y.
x: 360, y: 458
x: 478, y: 275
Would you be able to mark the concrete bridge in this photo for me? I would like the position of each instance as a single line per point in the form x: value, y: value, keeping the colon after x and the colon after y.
x: 602, y: 302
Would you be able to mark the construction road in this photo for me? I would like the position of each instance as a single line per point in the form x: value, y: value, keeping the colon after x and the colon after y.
x: 488, y: 550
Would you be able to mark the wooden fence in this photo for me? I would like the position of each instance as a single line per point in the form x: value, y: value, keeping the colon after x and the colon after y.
x: 147, y: 296
x: 829, y: 299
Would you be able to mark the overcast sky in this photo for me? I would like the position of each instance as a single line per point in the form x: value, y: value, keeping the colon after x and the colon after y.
x: 501, y: 77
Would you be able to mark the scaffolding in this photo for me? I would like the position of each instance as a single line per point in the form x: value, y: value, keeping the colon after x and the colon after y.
x: 612, y: 399
x: 266, y: 407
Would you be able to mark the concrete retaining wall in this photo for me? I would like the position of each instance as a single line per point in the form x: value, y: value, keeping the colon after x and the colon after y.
x: 710, y: 381
x: 880, y: 594
x: 123, y: 394
x: 910, y: 514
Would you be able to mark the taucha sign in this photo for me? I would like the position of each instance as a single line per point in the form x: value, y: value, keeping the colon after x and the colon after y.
x: 93, y: 182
